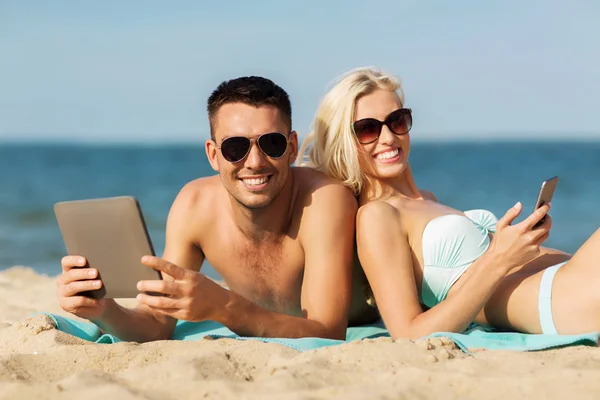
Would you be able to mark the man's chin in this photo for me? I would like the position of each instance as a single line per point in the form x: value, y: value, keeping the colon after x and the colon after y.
x: 255, y: 202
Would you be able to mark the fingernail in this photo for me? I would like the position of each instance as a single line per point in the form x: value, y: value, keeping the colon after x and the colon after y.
x: 517, y: 204
x: 139, y: 285
x: 138, y: 297
x: 92, y: 273
x: 97, y: 284
x: 80, y: 260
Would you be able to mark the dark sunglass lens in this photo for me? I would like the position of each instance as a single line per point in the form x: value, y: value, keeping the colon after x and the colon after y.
x: 400, y: 122
x: 235, y: 148
x: 367, y: 131
x: 273, y: 144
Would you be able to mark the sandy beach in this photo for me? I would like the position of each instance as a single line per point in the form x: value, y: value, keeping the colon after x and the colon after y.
x: 39, y: 362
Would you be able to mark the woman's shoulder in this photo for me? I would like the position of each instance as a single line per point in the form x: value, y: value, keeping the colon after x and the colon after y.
x: 375, y: 207
x: 379, y: 213
x: 428, y: 195
x: 395, y: 209
x: 381, y: 225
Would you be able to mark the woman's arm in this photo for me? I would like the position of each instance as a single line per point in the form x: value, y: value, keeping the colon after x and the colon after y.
x: 386, y: 257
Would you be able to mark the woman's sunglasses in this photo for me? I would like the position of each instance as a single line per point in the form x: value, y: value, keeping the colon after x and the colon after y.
x: 236, y: 148
x: 368, y: 130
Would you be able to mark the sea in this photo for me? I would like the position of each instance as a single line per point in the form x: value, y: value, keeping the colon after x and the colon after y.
x: 464, y: 175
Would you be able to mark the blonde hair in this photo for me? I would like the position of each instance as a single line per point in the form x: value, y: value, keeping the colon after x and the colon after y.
x: 333, y: 147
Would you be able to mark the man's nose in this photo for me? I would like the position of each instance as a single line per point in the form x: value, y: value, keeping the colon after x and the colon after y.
x: 256, y: 159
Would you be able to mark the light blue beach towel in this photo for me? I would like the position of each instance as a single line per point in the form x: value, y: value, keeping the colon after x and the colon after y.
x: 476, y: 337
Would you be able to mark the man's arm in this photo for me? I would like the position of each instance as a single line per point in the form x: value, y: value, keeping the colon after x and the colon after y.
x: 142, y: 324
x: 327, y: 236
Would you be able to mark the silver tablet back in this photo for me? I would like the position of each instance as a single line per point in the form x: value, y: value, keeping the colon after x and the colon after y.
x: 112, y: 235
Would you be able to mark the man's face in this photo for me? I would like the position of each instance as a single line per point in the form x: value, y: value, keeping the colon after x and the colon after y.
x: 257, y: 179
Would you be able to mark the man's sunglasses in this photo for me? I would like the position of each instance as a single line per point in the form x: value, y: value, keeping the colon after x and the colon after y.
x: 368, y: 130
x: 236, y: 148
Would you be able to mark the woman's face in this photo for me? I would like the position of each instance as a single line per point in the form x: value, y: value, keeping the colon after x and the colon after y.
x: 386, y: 156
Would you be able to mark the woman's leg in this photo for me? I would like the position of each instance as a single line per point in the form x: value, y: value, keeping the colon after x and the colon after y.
x: 574, y: 306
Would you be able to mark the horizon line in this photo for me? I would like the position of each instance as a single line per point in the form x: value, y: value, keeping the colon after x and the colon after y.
x: 196, y: 137
x: 200, y: 142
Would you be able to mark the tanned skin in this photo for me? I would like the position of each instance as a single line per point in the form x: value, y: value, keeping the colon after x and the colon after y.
x: 284, y: 247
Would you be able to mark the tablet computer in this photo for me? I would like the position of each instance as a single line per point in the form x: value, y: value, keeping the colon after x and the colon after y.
x: 111, y: 234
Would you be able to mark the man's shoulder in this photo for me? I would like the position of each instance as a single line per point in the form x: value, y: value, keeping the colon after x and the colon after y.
x: 311, y: 183
x: 323, y: 195
x: 193, y: 209
x: 201, y: 191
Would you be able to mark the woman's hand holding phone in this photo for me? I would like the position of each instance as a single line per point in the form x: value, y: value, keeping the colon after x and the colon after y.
x: 520, y: 243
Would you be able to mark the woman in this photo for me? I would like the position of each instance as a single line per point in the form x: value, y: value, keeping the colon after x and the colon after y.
x: 433, y: 268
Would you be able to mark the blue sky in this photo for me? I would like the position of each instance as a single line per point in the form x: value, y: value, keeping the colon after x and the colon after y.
x: 141, y: 71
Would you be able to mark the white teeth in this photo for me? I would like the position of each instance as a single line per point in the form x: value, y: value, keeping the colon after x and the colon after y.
x: 387, y: 155
x: 255, y: 181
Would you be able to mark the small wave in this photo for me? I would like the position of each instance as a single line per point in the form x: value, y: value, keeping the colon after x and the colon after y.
x: 35, y: 217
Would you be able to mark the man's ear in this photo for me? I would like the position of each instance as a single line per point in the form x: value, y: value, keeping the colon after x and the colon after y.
x: 293, y: 146
x: 211, y: 153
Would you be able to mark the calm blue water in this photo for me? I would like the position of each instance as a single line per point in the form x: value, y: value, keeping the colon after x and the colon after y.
x: 465, y: 176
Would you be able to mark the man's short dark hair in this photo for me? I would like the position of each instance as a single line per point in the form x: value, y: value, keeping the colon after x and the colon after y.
x: 255, y: 91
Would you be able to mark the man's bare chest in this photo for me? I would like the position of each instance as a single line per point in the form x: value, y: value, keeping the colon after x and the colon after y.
x: 268, y: 272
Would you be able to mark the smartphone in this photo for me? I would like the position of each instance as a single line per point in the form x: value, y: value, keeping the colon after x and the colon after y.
x: 545, y: 196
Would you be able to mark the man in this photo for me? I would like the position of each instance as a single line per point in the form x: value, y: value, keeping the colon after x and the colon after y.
x: 280, y: 236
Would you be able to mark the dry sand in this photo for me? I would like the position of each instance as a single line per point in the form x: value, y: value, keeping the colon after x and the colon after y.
x: 39, y: 362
